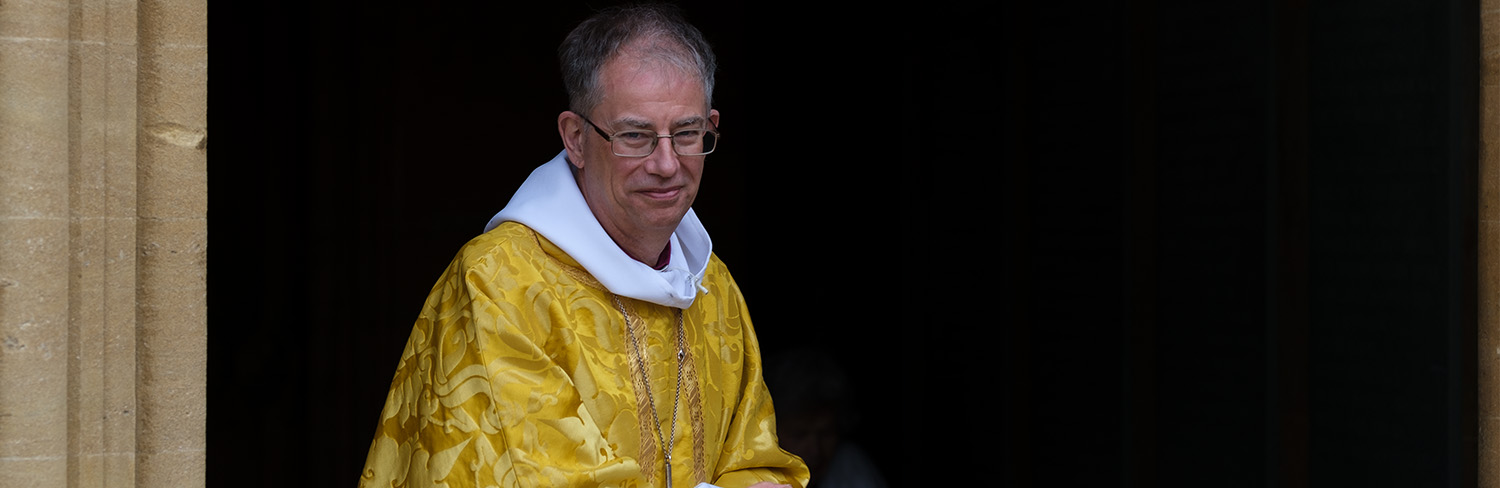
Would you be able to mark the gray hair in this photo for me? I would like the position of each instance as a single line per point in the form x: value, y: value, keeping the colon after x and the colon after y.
x: 659, y: 30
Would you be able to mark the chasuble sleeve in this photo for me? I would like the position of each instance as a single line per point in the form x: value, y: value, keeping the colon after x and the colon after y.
x: 751, y: 452
x: 477, y: 402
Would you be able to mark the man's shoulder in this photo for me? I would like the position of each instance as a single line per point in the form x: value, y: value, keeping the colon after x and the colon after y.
x: 717, y: 271
x: 716, y: 265
x: 507, y: 239
x: 505, y: 231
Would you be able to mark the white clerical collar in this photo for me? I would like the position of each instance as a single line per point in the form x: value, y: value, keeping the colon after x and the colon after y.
x: 550, y: 203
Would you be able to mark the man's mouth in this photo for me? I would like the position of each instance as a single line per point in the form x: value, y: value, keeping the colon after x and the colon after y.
x: 662, y: 193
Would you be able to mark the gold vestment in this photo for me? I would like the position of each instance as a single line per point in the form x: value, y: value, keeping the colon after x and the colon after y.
x: 518, y: 373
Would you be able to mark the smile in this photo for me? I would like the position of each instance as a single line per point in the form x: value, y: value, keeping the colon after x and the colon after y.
x: 662, y: 193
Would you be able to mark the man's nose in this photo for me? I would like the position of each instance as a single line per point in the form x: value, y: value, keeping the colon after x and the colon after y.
x: 663, y: 161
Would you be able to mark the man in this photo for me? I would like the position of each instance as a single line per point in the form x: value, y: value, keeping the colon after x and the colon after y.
x: 590, y: 337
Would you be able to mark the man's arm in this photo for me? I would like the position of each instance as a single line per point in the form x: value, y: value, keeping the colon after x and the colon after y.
x: 440, y: 413
x: 751, y: 453
x: 476, y: 401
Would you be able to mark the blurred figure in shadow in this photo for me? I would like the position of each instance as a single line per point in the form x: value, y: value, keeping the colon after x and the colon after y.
x: 815, y: 413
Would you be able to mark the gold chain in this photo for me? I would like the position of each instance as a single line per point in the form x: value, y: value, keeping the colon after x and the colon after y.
x: 666, y: 449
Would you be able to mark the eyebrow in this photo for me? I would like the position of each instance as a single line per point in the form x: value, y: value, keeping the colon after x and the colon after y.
x: 691, y: 120
x: 643, y: 124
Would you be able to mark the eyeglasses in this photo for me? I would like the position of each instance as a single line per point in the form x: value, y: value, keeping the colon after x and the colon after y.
x: 641, y: 143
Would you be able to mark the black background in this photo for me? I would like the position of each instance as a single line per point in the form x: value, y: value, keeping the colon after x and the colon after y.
x: 1134, y: 243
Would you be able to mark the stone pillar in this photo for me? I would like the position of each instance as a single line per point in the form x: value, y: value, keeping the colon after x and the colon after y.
x: 103, y: 237
x: 1488, y: 376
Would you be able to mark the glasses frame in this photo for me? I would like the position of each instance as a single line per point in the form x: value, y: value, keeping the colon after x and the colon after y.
x: 657, y: 140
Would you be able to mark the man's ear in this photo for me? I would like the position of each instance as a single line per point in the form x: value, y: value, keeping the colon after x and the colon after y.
x: 572, y: 129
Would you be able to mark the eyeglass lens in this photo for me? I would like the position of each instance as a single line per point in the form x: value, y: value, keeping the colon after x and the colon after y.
x: 686, y: 143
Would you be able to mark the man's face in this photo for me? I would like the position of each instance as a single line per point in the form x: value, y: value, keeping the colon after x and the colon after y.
x: 640, y: 197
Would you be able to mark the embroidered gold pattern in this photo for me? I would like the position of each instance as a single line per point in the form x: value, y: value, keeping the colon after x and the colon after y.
x: 517, y: 373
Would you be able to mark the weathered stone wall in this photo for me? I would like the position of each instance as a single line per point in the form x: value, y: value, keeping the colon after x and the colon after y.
x: 103, y: 242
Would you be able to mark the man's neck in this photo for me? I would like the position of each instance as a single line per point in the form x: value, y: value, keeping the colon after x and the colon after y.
x: 656, y: 260
x: 664, y: 259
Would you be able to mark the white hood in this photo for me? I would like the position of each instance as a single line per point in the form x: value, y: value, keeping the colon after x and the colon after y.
x: 550, y: 203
